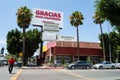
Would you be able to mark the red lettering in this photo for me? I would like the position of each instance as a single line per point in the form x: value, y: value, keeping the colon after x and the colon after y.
x: 45, y: 14
x: 48, y: 15
x: 37, y: 12
x: 59, y: 15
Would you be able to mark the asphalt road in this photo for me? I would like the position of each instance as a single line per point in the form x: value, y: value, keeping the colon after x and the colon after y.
x: 4, y: 74
x: 64, y: 74
x: 105, y: 74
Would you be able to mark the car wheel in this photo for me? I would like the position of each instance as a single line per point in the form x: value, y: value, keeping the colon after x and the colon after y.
x: 87, y: 67
x: 72, y: 67
x: 113, y: 67
x: 100, y: 67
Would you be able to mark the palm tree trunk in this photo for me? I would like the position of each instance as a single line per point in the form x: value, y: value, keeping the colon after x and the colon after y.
x: 78, y: 43
x: 103, y: 44
x: 23, y: 48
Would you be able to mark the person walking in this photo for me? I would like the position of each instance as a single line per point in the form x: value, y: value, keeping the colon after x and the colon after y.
x: 55, y: 63
x: 11, y: 64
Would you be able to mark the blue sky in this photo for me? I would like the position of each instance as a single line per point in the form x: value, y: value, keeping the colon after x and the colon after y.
x: 88, y: 32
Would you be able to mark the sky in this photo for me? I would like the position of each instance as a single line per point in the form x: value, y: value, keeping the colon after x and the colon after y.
x: 88, y: 31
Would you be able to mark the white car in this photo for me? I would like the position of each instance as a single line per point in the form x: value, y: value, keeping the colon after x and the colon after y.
x: 104, y: 65
x: 117, y: 65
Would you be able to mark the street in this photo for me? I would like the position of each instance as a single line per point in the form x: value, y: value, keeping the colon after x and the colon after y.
x: 64, y: 74
x: 4, y: 74
x: 61, y: 74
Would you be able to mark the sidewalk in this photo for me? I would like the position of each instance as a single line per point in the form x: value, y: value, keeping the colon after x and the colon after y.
x: 23, y: 70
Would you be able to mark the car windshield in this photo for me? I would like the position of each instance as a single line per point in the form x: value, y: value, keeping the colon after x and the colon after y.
x: 105, y: 62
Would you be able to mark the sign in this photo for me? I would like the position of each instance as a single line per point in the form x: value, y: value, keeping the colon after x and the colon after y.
x: 44, y: 48
x: 48, y: 26
x: 66, y: 38
x: 47, y: 18
x: 47, y: 36
x: 20, y: 54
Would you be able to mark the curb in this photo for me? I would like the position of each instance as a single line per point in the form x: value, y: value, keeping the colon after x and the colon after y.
x: 42, y: 68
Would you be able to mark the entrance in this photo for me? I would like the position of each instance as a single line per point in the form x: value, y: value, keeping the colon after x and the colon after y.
x: 83, y: 58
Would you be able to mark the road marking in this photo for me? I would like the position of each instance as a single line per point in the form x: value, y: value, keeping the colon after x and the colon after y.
x: 73, y: 74
x: 80, y: 76
x: 15, y: 77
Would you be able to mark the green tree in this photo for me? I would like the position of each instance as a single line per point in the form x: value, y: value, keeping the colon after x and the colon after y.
x: 117, y: 51
x: 14, y: 42
x: 33, y: 38
x: 114, y: 40
x: 24, y: 16
x: 98, y: 20
x: 117, y: 28
x: 76, y: 20
x: 110, y: 10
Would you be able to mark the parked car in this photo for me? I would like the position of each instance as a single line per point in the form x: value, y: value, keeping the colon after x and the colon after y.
x: 5, y: 62
x: 1, y: 63
x: 117, y: 65
x: 104, y: 65
x: 79, y: 65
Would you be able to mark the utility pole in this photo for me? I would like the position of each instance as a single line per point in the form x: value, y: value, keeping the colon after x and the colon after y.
x: 109, y: 43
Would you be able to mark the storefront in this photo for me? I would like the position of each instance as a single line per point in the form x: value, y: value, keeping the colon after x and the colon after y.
x: 67, y: 51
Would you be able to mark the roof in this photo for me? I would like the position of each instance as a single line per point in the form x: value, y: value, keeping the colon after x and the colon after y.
x: 82, y: 44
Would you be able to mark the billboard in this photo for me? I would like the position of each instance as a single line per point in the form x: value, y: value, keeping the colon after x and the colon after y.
x: 48, y: 18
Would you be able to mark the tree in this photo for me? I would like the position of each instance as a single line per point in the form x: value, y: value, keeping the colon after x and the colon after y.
x: 98, y: 20
x: 33, y: 38
x: 106, y: 42
x: 115, y: 42
x: 2, y: 50
x: 76, y: 20
x: 117, y: 51
x: 14, y: 43
x: 110, y: 10
x: 24, y: 16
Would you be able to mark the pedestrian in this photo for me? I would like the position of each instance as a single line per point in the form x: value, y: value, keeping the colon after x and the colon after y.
x: 11, y: 64
x: 55, y: 63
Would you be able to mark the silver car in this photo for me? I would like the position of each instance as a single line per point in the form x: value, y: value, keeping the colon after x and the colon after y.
x: 104, y: 65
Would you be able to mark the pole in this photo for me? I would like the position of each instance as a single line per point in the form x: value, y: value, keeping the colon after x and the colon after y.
x: 50, y: 51
x: 41, y: 45
x: 109, y: 43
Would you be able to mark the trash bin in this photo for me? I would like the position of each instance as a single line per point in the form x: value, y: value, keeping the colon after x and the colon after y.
x: 19, y: 64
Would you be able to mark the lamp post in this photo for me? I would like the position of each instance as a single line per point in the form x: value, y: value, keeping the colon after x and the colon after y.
x: 41, y: 45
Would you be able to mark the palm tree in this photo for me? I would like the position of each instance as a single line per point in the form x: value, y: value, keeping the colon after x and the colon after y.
x: 24, y: 16
x: 99, y: 20
x: 76, y: 20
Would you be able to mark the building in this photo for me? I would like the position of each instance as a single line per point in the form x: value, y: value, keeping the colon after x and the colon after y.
x: 68, y: 51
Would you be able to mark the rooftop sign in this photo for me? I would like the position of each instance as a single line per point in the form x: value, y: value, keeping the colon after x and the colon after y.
x: 67, y: 38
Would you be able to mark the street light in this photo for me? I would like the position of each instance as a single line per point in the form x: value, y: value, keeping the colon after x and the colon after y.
x: 41, y: 45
